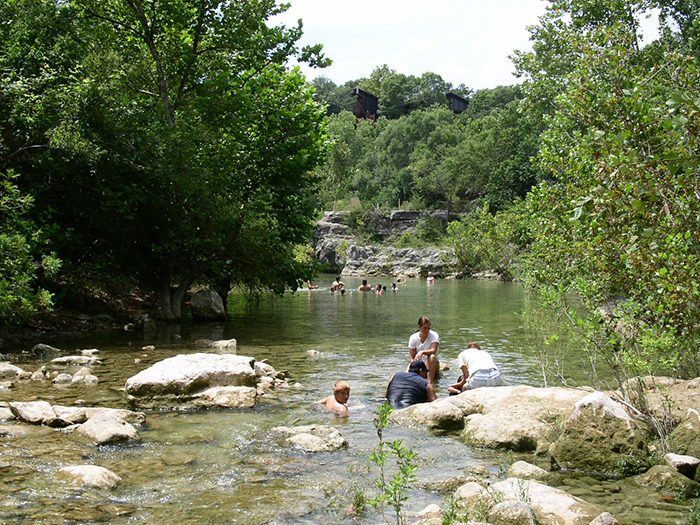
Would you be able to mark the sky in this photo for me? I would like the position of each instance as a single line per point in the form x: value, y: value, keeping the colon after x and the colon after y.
x: 464, y: 41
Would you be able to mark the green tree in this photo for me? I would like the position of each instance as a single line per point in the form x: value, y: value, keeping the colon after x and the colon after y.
x: 182, y: 125
x: 619, y: 227
x: 335, y: 98
x: 21, y: 259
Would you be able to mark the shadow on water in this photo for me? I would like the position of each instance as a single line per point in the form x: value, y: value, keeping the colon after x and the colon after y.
x: 224, y: 466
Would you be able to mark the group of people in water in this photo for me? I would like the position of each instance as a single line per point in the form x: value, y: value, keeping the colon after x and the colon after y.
x: 417, y: 383
x: 338, y: 286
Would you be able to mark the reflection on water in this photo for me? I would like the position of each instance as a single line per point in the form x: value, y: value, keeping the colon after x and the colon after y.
x: 223, y: 466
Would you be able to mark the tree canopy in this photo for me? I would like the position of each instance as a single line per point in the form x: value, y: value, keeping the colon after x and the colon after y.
x: 619, y: 224
x: 169, y: 141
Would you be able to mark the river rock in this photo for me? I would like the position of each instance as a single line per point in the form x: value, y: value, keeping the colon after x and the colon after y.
x: 512, y: 513
x: 442, y: 414
x: 14, y: 431
x: 444, y: 486
x: 90, y: 476
x: 40, y: 375
x: 85, y: 375
x: 313, y: 438
x: 225, y: 396
x: 77, y: 360
x: 519, y: 418
x: 601, y: 437
x: 76, y: 415
x: 605, y: 519
x: 667, y: 480
x: 43, y: 351
x: 207, y: 305
x: 104, y: 428
x: 135, y: 418
x: 226, y: 346
x: 33, y: 412
x: 686, y: 465
x: 6, y: 414
x: 8, y: 371
x: 686, y: 436
x: 180, y: 381
x: 525, y: 470
x: 62, y: 379
x: 551, y: 506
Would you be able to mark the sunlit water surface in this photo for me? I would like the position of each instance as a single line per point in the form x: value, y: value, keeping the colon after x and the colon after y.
x: 223, y: 466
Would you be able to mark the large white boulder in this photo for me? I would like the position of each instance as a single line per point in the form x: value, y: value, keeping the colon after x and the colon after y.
x: 551, y: 506
x: 181, y: 381
x: 442, y: 414
x: 33, y: 412
x: 519, y: 418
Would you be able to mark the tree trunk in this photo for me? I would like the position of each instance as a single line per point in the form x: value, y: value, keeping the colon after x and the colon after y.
x: 223, y: 288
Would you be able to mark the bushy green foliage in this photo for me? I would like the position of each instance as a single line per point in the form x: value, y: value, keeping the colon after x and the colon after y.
x: 394, y: 490
x: 170, y: 141
x: 486, y: 241
x: 619, y: 227
x: 21, y: 261
x: 430, y: 158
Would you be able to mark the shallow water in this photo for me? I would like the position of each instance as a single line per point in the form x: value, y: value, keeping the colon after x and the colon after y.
x: 223, y: 466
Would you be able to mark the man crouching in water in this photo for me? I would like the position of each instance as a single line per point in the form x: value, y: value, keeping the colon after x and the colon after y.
x: 410, y: 388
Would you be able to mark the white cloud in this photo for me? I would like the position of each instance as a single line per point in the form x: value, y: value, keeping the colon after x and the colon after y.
x: 464, y: 41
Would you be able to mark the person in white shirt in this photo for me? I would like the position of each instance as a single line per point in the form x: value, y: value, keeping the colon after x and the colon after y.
x: 478, y: 370
x: 423, y: 345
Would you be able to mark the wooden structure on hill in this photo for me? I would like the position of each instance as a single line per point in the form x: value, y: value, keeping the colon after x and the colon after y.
x: 457, y: 104
x: 366, y: 104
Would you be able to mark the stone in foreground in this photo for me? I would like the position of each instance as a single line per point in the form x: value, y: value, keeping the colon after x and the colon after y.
x: 186, y: 381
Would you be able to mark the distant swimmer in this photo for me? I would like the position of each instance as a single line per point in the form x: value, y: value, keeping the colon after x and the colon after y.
x: 364, y: 287
x: 430, y: 279
x: 337, y: 285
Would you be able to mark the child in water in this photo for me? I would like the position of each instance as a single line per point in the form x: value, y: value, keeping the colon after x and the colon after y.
x: 338, y: 402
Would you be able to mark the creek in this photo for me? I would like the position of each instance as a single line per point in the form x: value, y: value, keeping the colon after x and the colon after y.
x: 223, y: 466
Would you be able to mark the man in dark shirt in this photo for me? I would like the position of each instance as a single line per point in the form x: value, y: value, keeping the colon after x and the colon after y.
x: 412, y: 387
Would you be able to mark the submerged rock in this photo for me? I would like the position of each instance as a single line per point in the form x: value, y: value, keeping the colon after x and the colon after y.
x: 77, y: 360
x: 314, y: 438
x: 104, y: 428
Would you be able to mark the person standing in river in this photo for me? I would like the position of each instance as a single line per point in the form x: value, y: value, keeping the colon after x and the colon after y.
x: 364, y: 287
x: 423, y: 345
